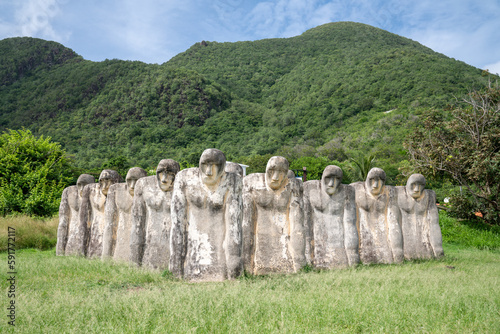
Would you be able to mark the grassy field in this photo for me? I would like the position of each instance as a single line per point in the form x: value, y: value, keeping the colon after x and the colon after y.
x: 457, y: 294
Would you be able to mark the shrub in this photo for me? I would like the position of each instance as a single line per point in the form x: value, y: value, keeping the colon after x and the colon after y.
x: 33, y: 174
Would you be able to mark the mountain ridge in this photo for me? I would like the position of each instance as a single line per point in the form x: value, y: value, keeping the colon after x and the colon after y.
x: 317, y: 94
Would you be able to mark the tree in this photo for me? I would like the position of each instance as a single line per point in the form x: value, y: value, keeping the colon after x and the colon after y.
x: 464, y: 144
x: 33, y: 174
x: 361, y: 165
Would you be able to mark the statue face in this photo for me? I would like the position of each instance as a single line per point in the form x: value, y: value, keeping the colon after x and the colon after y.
x: 276, y: 172
x: 415, y: 186
x: 375, y: 185
x: 131, y: 181
x: 375, y: 181
x: 104, y: 185
x: 165, y: 179
x: 331, y: 179
x: 106, y: 179
x: 82, y: 181
x: 212, y: 164
x: 210, y: 172
x: 133, y: 175
x: 80, y: 186
x: 165, y: 174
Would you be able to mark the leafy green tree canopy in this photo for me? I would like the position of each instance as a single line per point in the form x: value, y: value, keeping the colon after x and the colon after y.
x: 463, y: 144
x: 33, y: 174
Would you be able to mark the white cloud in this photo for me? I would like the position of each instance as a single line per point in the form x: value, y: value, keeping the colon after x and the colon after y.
x: 287, y: 18
x: 34, y: 18
x: 493, y: 68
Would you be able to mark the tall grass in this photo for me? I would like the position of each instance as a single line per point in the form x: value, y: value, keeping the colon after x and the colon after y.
x: 30, y: 232
x: 458, y: 294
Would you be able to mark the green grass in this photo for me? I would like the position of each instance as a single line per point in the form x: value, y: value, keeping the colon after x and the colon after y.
x: 30, y: 232
x: 468, y: 233
x: 458, y: 294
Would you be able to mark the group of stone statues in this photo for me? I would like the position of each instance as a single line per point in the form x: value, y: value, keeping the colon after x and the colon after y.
x: 210, y: 223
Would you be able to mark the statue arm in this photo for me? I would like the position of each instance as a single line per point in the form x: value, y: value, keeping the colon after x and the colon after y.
x: 436, y: 238
x: 395, y: 231
x: 110, y: 222
x: 138, y: 230
x: 62, y: 229
x: 85, y: 215
x: 248, y: 229
x: 297, y: 230
x: 351, y: 241
x: 308, y: 228
x: 178, y: 229
x: 234, y: 214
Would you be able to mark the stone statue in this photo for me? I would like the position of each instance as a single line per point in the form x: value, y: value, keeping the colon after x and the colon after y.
x: 379, y: 220
x: 118, y: 218
x: 273, y: 221
x: 207, y: 211
x: 233, y: 167
x: 291, y: 174
x: 92, y: 213
x: 151, y: 223
x: 420, y: 220
x: 67, y: 231
x: 330, y: 215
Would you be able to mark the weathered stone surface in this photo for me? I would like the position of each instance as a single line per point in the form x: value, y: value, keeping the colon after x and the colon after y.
x: 91, y: 221
x: 420, y: 220
x: 233, y: 167
x: 379, y: 220
x: 205, y: 240
x: 291, y: 174
x: 273, y: 221
x: 118, y: 217
x: 330, y: 216
x: 67, y: 231
x: 151, y: 223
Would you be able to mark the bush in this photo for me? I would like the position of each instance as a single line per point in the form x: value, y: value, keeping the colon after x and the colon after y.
x: 33, y: 174
x: 29, y: 232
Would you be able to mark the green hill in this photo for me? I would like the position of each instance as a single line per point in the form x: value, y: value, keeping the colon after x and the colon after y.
x: 324, y: 93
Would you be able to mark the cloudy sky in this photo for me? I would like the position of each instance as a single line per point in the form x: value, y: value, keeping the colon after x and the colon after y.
x: 153, y: 31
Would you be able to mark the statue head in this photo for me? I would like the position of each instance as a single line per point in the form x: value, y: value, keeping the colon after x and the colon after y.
x: 290, y: 174
x: 415, y: 185
x: 106, y: 179
x: 212, y: 165
x: 233, y: 167
x: 82, y: 181
x: 133, y: 175
x: 165, y: 173
x: 375, y: 181
x: 276, y: 172
x: 331, y: 179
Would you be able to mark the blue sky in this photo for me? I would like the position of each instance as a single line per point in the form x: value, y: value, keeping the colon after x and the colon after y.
x: 153, y: 31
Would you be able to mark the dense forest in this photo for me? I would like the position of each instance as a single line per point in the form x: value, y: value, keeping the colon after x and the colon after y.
x: 338, y: 92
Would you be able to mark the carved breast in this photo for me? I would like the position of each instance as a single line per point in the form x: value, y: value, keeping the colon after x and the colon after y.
x: 97, y: 200
x: 263, y: 197
x: 74, y: 200
x: 153, y: 199
x: 124, y: 201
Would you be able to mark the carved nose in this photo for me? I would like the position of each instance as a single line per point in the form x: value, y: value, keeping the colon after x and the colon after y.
x: 209, y: 170
x: 276, y: 176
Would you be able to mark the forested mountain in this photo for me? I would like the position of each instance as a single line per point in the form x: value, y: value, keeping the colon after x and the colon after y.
x: 326, y: 93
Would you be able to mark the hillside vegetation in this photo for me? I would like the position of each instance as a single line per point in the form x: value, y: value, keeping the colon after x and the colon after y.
x: 337, y: 91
